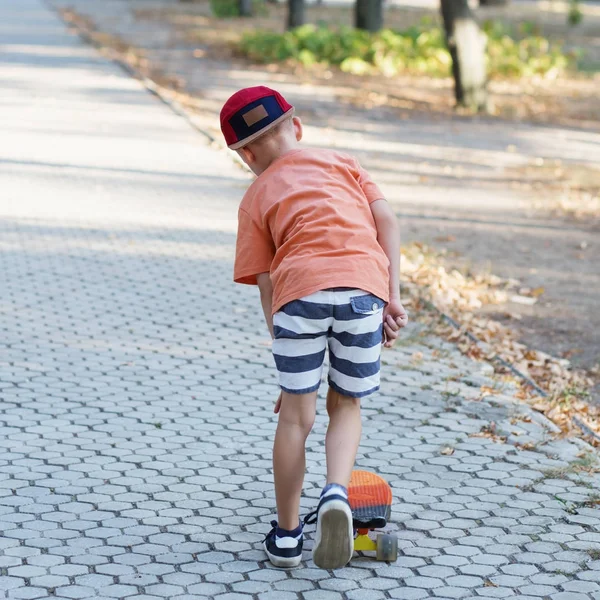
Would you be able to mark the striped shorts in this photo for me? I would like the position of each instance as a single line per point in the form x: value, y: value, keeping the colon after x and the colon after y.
x: 350, y: 322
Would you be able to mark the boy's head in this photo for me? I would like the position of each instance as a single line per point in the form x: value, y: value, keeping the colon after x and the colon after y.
x: 260, y: 125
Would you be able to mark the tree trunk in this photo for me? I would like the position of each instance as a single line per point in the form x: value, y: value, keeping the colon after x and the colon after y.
x: 466, y: 43
x: 295, y: 13
x: 368, y: 14
x: 245, y: 8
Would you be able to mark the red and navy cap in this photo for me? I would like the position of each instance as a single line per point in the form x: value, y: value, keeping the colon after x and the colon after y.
x: 250, y: 113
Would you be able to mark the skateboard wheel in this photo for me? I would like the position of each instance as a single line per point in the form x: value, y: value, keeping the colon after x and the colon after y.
x: 387, y: 547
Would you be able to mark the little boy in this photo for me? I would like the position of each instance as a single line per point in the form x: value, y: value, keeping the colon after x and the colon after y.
x: 317, y: 237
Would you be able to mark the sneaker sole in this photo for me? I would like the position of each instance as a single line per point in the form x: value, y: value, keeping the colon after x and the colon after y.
x: 334, y: 540
x: 281, y: 561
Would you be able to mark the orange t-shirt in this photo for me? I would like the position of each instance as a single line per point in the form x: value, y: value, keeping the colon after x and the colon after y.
x: 306, y: 220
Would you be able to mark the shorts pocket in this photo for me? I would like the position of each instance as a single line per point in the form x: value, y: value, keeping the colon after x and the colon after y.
x: 366, y: 305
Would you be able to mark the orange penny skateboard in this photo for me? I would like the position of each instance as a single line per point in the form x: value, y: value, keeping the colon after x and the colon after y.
x: 370, y: 498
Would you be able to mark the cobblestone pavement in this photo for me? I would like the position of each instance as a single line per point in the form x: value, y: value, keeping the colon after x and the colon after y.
x: 137, y: 387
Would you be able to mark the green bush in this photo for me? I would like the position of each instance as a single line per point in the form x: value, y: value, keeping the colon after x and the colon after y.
x: 224, y: 9
x: 420, y: 50
x: 525, y: 57
x: 575, y: 15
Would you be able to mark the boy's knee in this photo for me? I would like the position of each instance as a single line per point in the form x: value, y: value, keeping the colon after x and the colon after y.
x: 298, y: 413
x: 335, y: 401
x: 303, y: 423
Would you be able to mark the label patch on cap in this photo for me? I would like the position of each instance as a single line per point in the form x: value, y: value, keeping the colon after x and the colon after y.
x: 258, y: 113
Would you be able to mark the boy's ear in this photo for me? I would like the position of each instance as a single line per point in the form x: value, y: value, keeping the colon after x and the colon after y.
x: 247, y: 155
x: 297, y: 127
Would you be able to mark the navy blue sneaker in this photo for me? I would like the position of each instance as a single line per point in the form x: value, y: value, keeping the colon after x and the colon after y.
x: 334, y: 540
x: 284, y: 551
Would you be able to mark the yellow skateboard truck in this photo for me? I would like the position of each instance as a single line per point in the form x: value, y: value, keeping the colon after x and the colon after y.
x: 363, y: 543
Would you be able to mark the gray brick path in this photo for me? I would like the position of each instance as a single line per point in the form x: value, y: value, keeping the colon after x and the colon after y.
x: 137, y: 388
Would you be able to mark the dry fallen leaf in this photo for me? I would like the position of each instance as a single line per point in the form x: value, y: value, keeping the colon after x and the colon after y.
x: 447, y: 451
x: 525, y: 446
x: 416, y: 357
x: 487, y: 390
x: 520, y: 419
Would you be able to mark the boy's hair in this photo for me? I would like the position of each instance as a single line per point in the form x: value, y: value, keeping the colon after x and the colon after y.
x: 279, y: 128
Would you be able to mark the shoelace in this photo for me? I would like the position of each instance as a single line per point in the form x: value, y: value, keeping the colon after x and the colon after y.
x: 273, y: 531
x: 309, y: 519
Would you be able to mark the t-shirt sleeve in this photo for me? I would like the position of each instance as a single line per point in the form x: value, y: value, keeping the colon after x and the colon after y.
x: 369, y: 187
x: 254, y: 251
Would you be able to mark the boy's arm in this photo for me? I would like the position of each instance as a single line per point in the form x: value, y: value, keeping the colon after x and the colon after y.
x: 388, y: 236
x: 266, y: 298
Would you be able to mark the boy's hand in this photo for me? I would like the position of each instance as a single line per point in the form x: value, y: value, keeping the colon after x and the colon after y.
x: 277, y: 404
x: 395, y: 318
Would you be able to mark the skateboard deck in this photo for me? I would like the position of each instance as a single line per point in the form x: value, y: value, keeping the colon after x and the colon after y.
x: 370, y: 498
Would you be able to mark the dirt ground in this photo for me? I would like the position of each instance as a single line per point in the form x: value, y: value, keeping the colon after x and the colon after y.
x: 515, y: 195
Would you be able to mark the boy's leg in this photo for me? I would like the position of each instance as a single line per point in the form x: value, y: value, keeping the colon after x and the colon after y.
x: 354, y: 352
x: 296, y: 418
x: 300, y: 329
x: 334, y: 539
x: 343, y: 436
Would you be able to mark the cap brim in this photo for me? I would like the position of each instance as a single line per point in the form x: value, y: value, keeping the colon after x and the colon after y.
x: 258, y: 134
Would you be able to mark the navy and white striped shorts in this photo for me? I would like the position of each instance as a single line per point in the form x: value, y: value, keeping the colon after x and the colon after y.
x: 350, y: 322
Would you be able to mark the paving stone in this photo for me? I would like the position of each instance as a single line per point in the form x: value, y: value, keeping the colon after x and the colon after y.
x: 276, y: 596
x: 75, y: 591
x: 423, y: 582
x: 464, y: 581
x: 268, y: 575
x: 536, y: 590
x: 367, y: 594
x: 339, y: 585
x: 322, y: 595
x: 206, y: 589
x: 521, y: 570
x: 562, y: 566
x: 450, y: 561
x: 49, y: 581
x: 405, y: 593
x: 451, y: 592
x: 584, y: 587
x: 294, y: 585
x: 26, y: 571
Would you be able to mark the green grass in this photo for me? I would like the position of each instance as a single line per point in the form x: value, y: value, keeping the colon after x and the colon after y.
x: 592, y: 501
x: 588, y: 462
